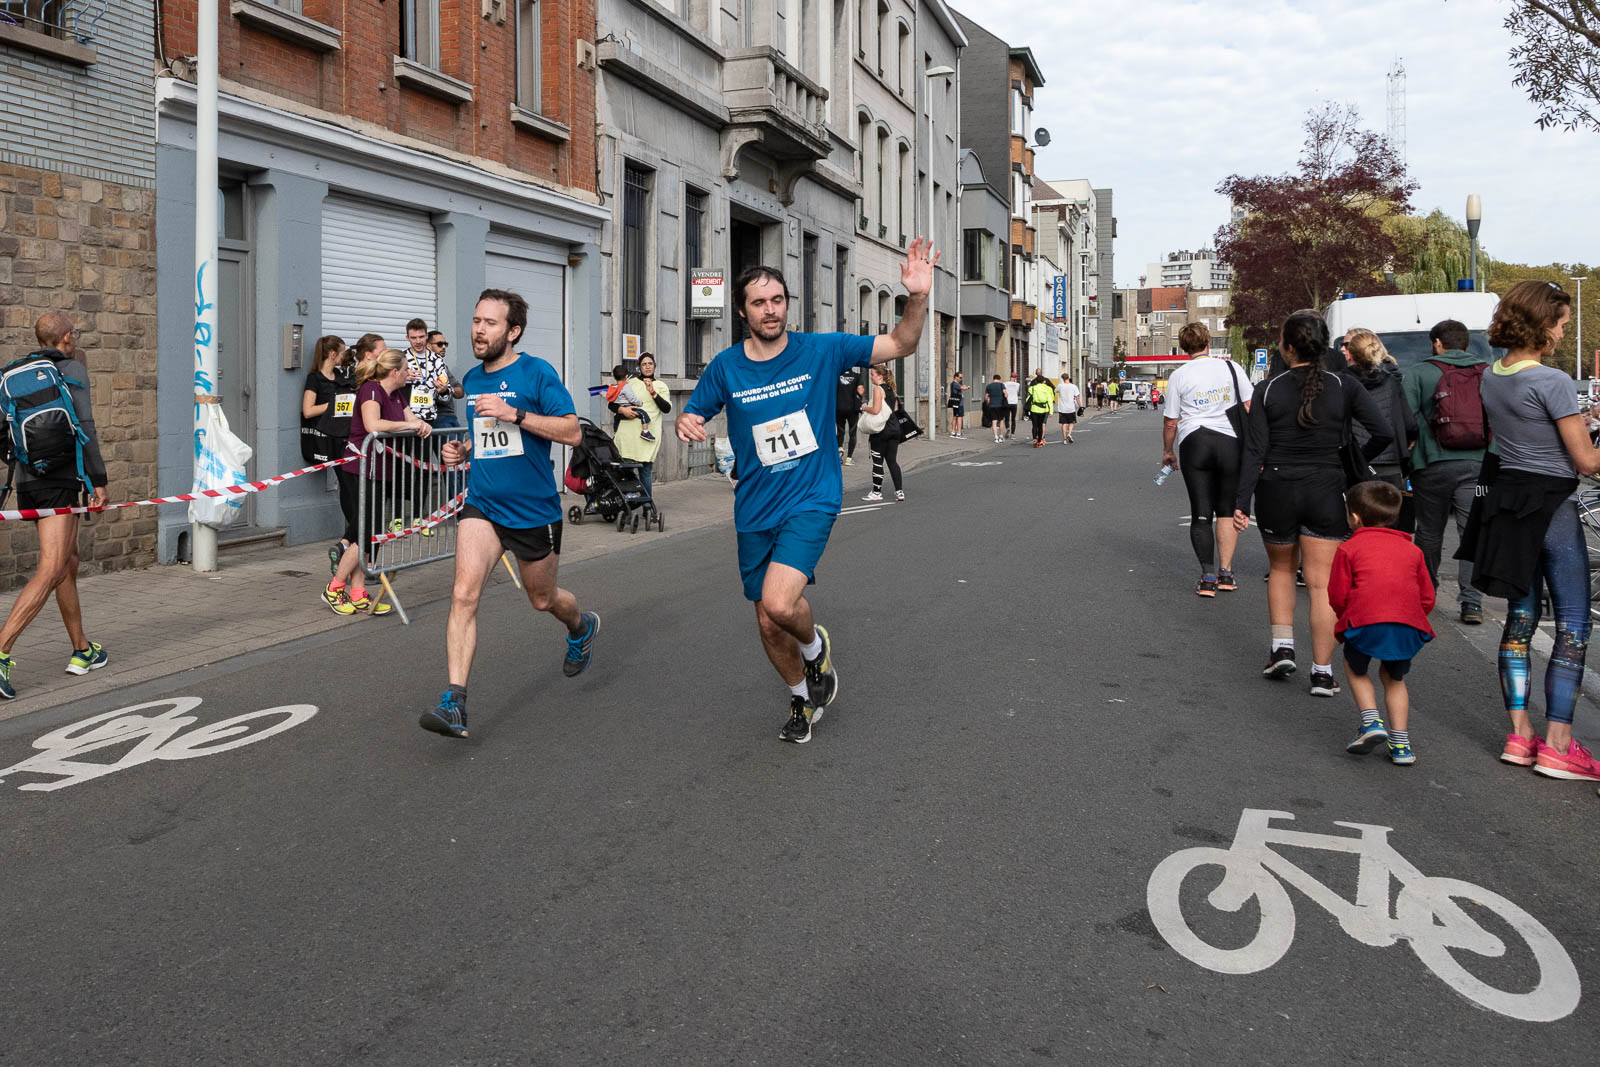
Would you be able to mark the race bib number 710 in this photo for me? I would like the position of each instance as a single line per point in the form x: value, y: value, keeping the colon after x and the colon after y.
x: 493, y: 439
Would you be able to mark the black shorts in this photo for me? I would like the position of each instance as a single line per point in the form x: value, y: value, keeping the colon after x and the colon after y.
x: 1295, y: 502
x: 530, y: 545
x: 1067, y: 417
x: 1357, y: 662
x: 47, y: 495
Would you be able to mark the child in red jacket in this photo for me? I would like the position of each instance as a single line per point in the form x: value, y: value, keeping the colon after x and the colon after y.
x: 1381, y: 591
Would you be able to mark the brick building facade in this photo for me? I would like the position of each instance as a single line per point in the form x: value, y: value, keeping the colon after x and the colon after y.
x: 377, y: 162
x: 77, y: 235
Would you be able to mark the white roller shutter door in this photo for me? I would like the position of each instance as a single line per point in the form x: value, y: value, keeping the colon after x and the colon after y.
x: 378, y: 270
x: 542, y: 285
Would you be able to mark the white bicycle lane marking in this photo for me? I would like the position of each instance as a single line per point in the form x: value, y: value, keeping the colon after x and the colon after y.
x: 1425, y: 916
x: 152, y: 737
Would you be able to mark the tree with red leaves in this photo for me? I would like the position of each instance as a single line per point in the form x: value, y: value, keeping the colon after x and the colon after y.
x: 1305, y: 237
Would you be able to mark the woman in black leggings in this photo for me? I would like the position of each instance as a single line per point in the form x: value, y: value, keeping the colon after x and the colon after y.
x: 1199, y: 395
x: 885, y: 444
x: 1292, y: 470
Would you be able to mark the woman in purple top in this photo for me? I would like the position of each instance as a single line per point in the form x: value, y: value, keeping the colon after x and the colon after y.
x: 380, y: 408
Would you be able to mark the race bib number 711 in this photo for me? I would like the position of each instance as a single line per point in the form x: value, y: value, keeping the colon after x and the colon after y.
x: 782, y: 439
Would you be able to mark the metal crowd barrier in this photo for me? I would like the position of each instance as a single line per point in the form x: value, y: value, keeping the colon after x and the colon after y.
x: 409, y: 504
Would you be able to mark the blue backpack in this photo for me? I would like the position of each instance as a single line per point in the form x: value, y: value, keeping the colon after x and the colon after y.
x: 42, y: 430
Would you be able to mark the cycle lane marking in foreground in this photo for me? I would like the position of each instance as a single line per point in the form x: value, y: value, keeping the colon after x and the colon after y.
x: 1425, y: 914
x: 141, y: 738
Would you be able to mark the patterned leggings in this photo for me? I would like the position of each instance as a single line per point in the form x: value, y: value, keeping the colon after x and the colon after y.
x: 1564, y: 566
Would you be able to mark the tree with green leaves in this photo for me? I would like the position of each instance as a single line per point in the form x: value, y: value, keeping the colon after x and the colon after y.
x: 1437, y: 253
x: 1556, y: 55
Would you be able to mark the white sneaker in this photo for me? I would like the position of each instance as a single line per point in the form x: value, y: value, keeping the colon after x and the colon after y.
x: 873, y: 496
x: 899, y: 494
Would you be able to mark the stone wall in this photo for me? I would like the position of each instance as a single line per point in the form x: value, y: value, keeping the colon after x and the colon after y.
x: 86, y: 247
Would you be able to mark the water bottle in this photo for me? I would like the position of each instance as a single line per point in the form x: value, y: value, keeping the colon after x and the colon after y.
x: 1164, y: 474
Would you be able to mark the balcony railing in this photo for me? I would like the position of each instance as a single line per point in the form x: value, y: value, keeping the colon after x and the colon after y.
x: 789, y: 111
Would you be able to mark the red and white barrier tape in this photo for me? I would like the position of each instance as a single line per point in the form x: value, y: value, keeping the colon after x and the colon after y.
x: 450, y: 508
x: 181, y: 498
x: 420, y: 464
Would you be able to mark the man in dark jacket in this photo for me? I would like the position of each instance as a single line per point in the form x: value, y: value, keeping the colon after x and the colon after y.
x: 58, y: 534
x: 1442, y: 479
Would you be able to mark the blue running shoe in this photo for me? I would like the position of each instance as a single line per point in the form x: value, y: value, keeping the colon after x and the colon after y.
x: 88, y: 659
x: 449, y: 718
x: 1370, y: 736
x: 580, y: 646
x: 1401, y: 755
x: 7, y: 691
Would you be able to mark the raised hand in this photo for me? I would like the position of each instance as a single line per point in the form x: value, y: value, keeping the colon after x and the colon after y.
x: 916, y: 274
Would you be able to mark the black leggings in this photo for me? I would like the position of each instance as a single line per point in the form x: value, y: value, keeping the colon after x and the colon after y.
x: 885, y: 453
x: 1037, y: 418
x: 843, y: 422
x: 1210, y: 464
x: 349, y: 486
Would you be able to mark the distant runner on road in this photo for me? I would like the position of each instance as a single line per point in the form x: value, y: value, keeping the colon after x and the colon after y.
x: 778, y: 387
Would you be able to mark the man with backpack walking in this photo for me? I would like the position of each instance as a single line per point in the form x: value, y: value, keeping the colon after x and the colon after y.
x: 54, y: 458
x: 1451, y: 435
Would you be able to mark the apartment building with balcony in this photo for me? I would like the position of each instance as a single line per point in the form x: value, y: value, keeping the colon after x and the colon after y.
x: 377, y: 163
x: 1067, y: 222
x: 1198, y: 270
x: 726, y: 139
x: 985, y: 321
x: 998, y: 83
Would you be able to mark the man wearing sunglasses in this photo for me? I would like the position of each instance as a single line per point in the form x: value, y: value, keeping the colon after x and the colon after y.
x: 445, y: 400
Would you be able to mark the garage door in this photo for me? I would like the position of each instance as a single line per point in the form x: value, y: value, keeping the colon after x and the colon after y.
x: 378, y: 270
x: 542, y: 284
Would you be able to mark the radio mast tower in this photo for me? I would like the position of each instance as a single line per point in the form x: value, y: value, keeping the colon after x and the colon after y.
x: 1397, y: 109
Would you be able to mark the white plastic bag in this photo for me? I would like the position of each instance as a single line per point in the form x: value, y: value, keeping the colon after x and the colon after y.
x: 724, y: 450
x: 220, y: 460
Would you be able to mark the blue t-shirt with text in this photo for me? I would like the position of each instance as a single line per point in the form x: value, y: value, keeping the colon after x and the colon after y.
x: 803, y: 378
x: 517, y: 491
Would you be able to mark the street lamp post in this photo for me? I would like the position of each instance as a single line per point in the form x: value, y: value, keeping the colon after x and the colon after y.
x: 1474, y: 220
x: 941, y: 71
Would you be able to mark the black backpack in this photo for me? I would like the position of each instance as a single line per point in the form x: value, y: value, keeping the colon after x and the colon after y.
x: 42, y: 429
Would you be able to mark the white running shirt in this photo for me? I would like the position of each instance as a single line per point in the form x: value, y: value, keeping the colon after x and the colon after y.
x: 1066, y: 399
x: 1200, y: 392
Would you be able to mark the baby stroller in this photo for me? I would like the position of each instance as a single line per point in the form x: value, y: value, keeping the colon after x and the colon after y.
x: 610, y: 485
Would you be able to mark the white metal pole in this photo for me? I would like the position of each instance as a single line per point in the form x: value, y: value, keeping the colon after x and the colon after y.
x: 933, y: 277
x: 203, y: 538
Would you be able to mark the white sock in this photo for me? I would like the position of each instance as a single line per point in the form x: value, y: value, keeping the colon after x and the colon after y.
x: 814, y: 649
x: 1325, y: 668
x: 1283, y: 642
x: 799, y: 689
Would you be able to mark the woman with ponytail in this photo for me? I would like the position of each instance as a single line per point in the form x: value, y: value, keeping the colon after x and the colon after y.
x: 1297, y: 423
x: 1524, y: 532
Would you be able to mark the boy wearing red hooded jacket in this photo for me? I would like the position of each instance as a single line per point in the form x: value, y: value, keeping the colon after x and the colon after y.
x: 1381, y: 592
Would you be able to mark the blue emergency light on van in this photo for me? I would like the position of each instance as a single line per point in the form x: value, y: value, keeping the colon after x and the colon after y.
x: 1463, y: 285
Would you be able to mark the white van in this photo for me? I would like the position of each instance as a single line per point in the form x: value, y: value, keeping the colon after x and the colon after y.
x: 1402, y: 322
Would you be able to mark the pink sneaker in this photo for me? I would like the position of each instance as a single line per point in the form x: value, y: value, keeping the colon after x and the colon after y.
x: 1520, y: 750
x: 1577, y: 763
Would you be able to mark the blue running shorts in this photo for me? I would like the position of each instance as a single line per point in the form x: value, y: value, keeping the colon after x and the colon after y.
x: 798, y: 543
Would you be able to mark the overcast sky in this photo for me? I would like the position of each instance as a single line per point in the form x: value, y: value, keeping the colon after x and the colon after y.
x: 1163, y: 99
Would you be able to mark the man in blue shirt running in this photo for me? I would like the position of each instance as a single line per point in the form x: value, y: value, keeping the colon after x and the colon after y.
x: 779, y: 389
x: 516, y: 407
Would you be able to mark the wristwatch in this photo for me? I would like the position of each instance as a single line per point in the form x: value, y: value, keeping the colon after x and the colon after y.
x: 519, y: 415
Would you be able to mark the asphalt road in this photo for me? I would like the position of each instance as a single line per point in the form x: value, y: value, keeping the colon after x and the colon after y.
x: 629, y: 867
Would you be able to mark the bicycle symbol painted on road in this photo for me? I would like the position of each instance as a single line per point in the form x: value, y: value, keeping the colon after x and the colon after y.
x: 1426, y: 914
x: 159, y: 736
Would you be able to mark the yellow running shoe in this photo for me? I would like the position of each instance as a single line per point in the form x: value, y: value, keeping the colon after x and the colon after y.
x: 338, y: 601
x: 366, y: 604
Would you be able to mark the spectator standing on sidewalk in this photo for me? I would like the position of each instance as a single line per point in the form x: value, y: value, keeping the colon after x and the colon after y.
x: 380, y: 408
x: 1524, y: 533
x: 958, y: 406
x: 847, y: 413
x: 1443, y: 477
x: 650, y: 399
x: 994, y: 407
x: 885, y: 443
x: 1067, y: 407
x: 1013, y: 395
x: 445, y: 400
x: 58, y: 486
